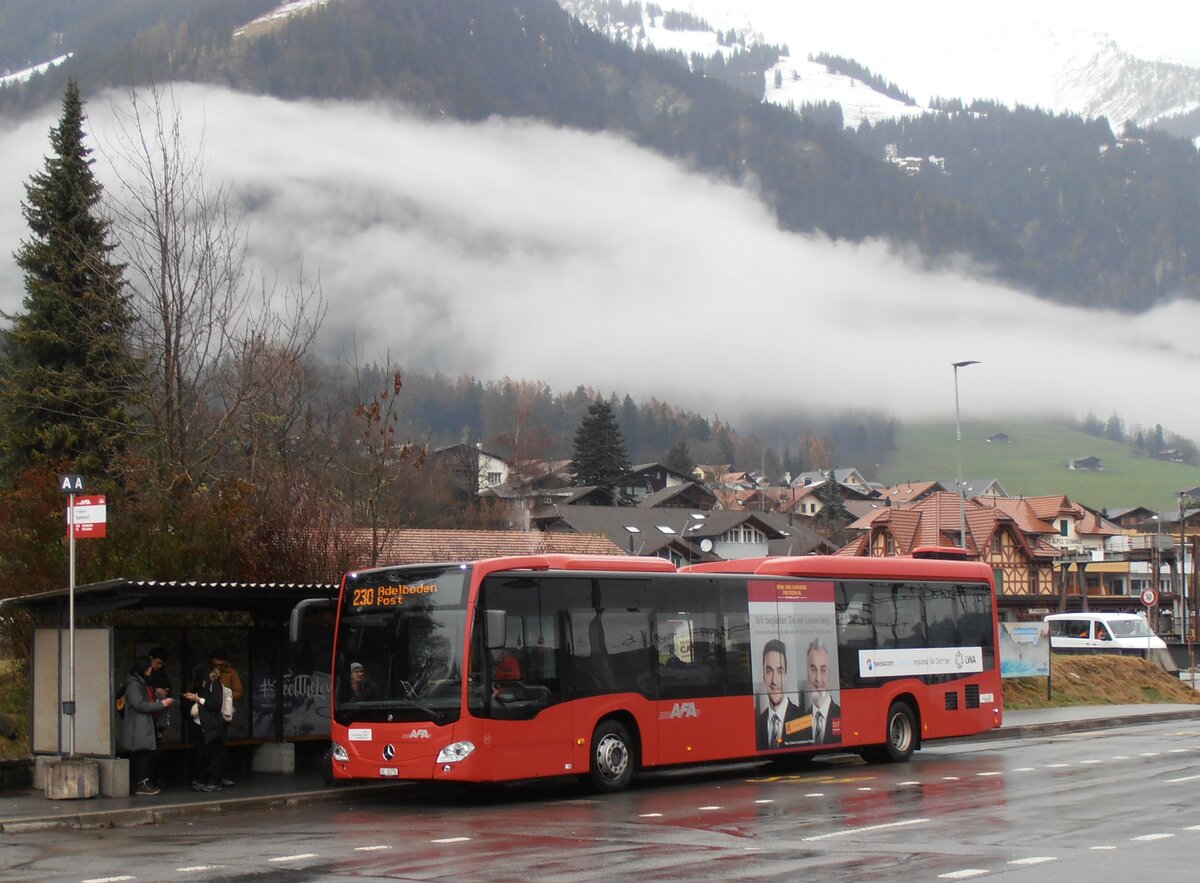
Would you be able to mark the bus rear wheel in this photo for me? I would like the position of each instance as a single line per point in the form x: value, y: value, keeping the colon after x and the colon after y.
x: 611, y: 765
x: 901, y: 734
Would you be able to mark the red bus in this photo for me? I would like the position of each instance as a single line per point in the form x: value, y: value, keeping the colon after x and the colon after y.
x: 554, y: 665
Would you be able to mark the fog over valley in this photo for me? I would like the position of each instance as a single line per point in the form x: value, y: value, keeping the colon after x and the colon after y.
x: 515, y: 249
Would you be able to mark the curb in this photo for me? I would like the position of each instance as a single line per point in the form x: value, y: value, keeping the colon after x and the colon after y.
x: 151, y: 815
x: 1052, y: 728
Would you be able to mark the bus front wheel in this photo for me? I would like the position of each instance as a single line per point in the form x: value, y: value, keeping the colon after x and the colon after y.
x: 611, y: 766
x: 901, y: 734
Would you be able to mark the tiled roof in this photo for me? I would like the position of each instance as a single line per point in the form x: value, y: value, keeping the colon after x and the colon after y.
x: 422, y: 546
x: 911, y: 490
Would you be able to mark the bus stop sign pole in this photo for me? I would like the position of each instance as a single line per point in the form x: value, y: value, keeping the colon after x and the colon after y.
x: 71, y: 485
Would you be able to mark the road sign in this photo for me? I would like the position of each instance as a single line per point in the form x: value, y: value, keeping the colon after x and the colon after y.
x: 88, y: 517
x: 1149, y: 597
x: 70, y: 484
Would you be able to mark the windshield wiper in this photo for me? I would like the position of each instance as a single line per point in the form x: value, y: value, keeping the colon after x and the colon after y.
x: 381, y: 704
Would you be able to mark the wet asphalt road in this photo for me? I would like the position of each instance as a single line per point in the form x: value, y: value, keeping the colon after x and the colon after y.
x: 1106, y: 805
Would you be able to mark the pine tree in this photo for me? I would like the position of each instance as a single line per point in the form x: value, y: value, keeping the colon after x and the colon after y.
x: 68, y: 372
x: 599, y: 454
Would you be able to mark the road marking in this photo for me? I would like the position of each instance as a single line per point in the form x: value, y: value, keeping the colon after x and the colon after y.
x: 1146, y: 838
x: 451, y: 840
x: 1101, y: 847
x: 1034, y: 860
x: 1182, y: 779
x: 1180, y: 750
x: 1091, y: 761
x: 910, y: 783
x: 369, y: 848
x: 108, y: 879
x: 865, y: 789
x: 964, y: 874
x: 708, y: 808
x: 767, y: 800
x: 991, y: 773
x: 645, y: 815
x: 292, y: 858
x: 866, y: 829
x: 1149, y: 754
x: 199, y: 868
x: 815, y: 794
x: 1192, y: 828
x: 1024, y: 769
x: 949, y: 778
x: 1056, y: 766
x: 1120, y: 757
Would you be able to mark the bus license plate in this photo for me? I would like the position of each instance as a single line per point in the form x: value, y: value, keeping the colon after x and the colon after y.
x: 389, y: 771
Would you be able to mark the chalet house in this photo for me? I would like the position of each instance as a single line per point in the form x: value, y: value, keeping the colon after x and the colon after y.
x: 478, y: 469
x: 689, y: 495
x: 911, y: 492
x: 650, y: 478
x: 678, y: 535
x: 983, y: 487
x: 851, y: 479
x: 1022, y: 564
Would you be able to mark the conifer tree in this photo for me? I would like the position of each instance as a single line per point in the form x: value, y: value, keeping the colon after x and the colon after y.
x: 68, y: 372
x: 599, y: 454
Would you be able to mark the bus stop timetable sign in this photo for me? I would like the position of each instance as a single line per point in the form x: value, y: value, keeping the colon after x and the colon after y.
x: 88, y: 517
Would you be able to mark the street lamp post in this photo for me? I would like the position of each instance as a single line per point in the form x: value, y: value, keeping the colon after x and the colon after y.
x: 1183, y: 565
x: 962, y: 499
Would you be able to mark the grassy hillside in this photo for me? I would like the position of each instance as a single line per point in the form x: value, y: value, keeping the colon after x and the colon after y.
x: 1034, y: 463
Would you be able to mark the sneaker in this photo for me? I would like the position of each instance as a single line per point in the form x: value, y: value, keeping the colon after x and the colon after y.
x: 145, y: 789
x: 228, y: 783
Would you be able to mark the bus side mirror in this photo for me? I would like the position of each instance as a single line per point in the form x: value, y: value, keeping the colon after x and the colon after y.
x: 494, y: 626
x: 296, y: 621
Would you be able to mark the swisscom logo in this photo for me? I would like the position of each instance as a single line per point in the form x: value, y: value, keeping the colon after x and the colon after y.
x: 870, y: 664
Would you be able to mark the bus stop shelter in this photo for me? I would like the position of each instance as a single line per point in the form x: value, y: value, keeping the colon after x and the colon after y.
x: 286, y: 684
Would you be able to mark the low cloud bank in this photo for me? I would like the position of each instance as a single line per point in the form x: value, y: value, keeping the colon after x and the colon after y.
x: 514, y: 249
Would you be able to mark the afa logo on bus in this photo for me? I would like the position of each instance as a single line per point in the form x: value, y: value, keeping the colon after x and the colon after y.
x: 680, y: 709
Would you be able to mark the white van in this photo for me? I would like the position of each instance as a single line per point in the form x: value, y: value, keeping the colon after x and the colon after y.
x: 1099, y: 631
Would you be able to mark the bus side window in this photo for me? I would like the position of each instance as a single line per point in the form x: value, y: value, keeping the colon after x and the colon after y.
x: 856, y: 628
x: 898, y: 616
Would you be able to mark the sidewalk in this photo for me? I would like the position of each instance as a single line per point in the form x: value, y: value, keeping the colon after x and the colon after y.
x: 31, y: 811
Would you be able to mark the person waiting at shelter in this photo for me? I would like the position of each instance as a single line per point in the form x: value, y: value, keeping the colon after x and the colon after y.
x: 139, y: 733
x: 207, y: 726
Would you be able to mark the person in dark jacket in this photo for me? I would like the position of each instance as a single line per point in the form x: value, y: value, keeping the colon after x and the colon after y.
x: 139, y: 732
x: 206, y: 725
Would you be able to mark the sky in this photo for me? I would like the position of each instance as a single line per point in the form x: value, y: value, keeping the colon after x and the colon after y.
x: 510, y: 249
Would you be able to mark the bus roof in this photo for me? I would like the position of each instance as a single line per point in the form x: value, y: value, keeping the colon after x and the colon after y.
x: 610, y: 563
x: 850, y: 567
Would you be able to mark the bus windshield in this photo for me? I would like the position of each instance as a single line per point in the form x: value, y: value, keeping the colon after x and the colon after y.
x: 399, y: 648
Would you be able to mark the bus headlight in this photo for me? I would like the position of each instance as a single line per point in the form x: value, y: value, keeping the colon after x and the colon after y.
x: 338, y: 752
x: 455, y: 751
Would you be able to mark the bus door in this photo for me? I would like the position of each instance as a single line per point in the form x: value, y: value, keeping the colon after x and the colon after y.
x: 691, y: 708
x: 529, y: 726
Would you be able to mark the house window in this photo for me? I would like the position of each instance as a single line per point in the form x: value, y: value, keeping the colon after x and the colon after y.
x: 1063, y: 527
x: 998, y: 576
x: 891, y: 547
x: 493, y: 479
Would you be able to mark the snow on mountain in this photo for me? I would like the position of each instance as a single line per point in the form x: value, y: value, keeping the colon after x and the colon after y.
x: 1091, y: 58
x: 22, y: 76
x: 284, y: 10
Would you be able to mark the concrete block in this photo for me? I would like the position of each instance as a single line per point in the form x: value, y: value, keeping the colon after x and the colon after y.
x: 114, y: 776
x: 72, y: 779
x: 275, y: 757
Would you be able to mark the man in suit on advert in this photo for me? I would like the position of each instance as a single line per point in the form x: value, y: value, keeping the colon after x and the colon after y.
x: 826, y: 714
x: 771, y: 728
